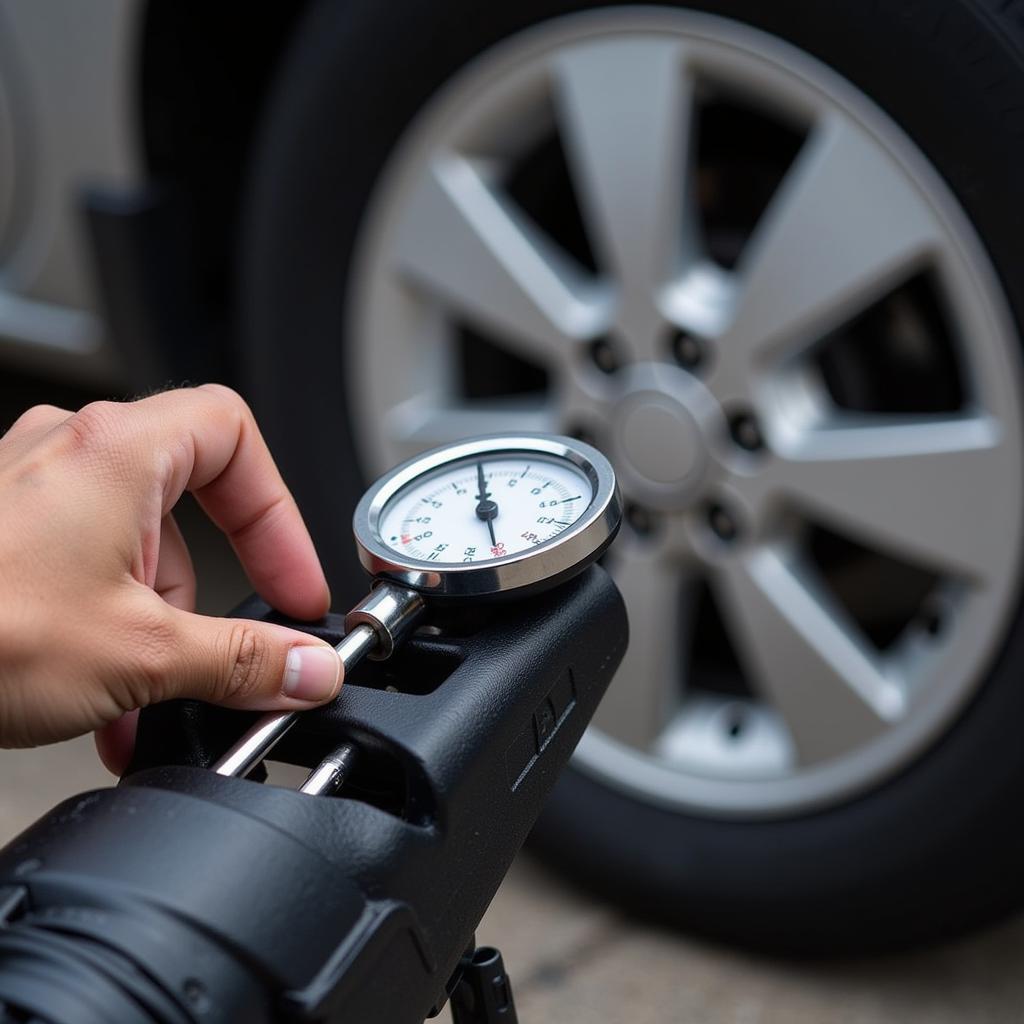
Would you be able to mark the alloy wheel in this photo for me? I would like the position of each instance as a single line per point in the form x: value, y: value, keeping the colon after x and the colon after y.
x: 708, y: 253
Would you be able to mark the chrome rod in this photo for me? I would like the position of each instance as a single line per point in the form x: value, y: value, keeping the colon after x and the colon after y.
x: 264, y: 734
x: 331, y: 772
x: 381, y: 621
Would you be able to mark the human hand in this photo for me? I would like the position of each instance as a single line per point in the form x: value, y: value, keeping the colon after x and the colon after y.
x: 97, y: 591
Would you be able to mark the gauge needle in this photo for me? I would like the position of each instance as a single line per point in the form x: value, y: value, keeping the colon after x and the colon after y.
x: 486, y: 509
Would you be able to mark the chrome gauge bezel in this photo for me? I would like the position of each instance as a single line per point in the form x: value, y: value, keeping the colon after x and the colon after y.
x: 545, y: 565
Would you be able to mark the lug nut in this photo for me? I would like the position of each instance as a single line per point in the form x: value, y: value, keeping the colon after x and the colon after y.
x: 581, y: 433
x: 639, y: 519
x: 746, y: 433
x: 603, y: 356
x: 688, y: 351
x: 933, y: 618
x: 722, y: 523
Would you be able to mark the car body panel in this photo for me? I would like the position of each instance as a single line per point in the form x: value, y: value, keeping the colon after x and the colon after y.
x: 67, y: 85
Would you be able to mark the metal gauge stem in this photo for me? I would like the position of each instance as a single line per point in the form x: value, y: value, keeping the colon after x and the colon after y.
x: 499, y: 516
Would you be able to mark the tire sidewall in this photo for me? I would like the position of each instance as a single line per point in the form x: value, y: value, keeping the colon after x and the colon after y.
x: 930, y: 852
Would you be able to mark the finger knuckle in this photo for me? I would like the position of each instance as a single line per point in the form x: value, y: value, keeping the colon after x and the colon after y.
x: 96, y: 425
x: 39, y: 416
x: 247, y: 659
x: 229, y: 396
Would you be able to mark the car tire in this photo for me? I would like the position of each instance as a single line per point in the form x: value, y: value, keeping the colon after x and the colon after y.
x: 923, y: 854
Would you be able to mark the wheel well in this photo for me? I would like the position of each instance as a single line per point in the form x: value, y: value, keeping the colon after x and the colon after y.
x: 204, y: 74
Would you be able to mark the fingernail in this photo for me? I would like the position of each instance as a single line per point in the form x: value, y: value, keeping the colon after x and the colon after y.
x: 311, y: 673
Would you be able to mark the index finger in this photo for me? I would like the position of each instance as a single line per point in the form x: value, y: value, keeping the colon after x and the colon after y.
x: 209, y: 444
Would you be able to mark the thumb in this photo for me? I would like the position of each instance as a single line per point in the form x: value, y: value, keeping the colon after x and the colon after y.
x: 240, y: 663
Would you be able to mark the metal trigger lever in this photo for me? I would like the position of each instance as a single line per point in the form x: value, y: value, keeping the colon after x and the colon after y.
x: 374, y: 628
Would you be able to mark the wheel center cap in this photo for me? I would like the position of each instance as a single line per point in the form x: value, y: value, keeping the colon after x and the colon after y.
x: 661, y: 442
x: 659, y: 432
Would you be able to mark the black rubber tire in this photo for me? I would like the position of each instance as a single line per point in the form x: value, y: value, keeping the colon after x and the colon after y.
x: 924, y: 856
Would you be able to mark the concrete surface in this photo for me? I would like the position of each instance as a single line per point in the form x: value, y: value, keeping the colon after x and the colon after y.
x: 573, y: 960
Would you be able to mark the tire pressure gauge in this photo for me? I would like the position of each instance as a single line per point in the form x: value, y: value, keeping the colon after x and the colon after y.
x: 496, y: 517
x: 489, y: 517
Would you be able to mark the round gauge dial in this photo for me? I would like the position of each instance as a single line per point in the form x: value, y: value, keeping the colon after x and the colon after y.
x: 490, y: 515
x: 485, y: 508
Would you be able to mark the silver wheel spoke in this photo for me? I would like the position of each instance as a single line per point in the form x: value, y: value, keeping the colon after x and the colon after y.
x: 910, y: 488
x: 844, y: 227
x: 859, y: 213
x: 647, y: 688
x: 463, y: 242
x: 421, y: 423
x: 804, y: 658
x: 624, y: 107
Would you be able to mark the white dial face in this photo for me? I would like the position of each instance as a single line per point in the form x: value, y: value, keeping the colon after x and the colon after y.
x: 485, y: 508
